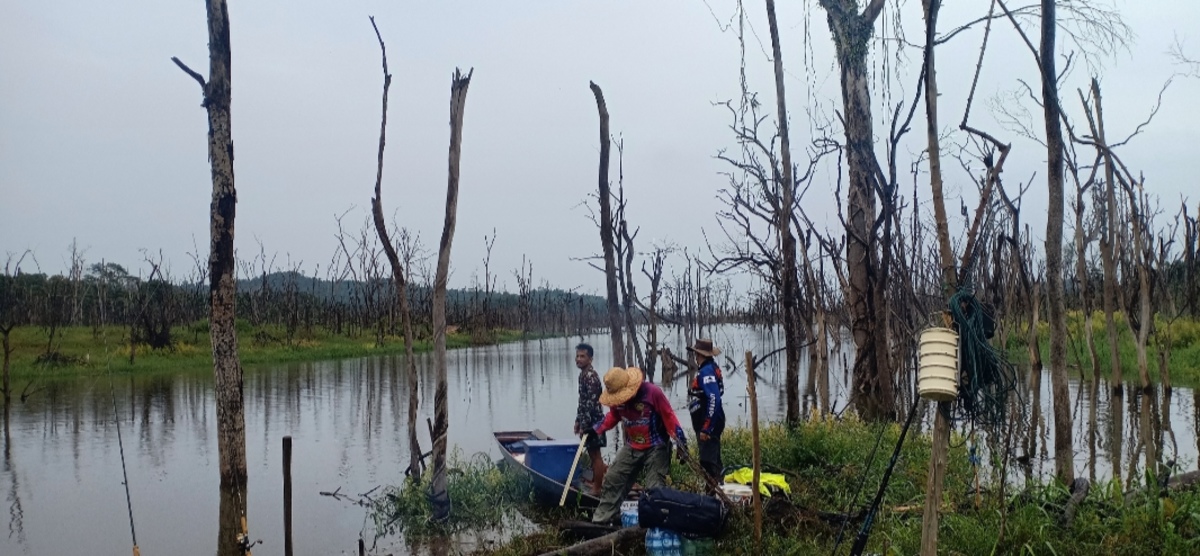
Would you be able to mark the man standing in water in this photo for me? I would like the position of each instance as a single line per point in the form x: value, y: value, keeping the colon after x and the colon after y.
x: 589, y: 413
x: 649, y: 422
x: 704, y: 403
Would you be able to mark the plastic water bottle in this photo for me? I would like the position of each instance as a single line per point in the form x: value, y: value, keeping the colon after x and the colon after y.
x: 663, y: 542
x: 629, y: 513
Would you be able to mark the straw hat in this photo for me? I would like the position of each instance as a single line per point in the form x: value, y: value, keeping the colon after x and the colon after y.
x: 620, y: 385
x: 705, y: 347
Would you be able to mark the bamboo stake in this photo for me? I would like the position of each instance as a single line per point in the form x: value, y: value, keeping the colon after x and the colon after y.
x: 756, y: 458
x: 567, y: 486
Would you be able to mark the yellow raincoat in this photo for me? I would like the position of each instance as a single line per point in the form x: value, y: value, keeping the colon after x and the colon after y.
x: 745, y: 476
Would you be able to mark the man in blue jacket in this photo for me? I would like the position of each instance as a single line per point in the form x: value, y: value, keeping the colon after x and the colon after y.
x: 704, y: 403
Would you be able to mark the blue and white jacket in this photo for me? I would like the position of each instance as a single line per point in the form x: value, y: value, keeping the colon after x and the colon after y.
x: 704, y: 399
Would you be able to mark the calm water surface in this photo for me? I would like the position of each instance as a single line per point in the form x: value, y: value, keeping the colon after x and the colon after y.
x: 61, y: 472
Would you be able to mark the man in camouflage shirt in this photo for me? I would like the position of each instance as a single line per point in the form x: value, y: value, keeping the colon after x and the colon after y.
x: 590, y: 413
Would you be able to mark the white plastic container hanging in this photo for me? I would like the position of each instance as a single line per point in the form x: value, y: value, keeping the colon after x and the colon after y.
x: 938, y: 364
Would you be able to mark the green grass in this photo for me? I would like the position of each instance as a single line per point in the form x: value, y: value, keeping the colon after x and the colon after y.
x: 483, y: 496
x: 82, y: 349
x: 825, y: 462
x: 1183, y: 358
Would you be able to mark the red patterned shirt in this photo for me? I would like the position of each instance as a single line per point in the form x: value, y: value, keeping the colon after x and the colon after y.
x: 648, y: 419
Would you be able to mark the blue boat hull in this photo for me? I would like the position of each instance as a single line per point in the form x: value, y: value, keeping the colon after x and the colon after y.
x: 546, y: 489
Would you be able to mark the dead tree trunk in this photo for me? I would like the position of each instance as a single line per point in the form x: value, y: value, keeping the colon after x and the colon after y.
x: 1108, y: 244
x: 606, y: 234
x: 788, y: 275
x: 1143, y: 257
x: 1063, y: 455
x: 231, y: 421
x: 439, y: 495
x: 1191, y: 243
x: 1081, y: 271
x: 5, y: 331
x: 873, y: 389
x: 655, y: 277
x: 398, y: 278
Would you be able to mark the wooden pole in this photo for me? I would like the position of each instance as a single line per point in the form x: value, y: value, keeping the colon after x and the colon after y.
x: 940, y: 447
x: 938, y: 462
x: 287, y: 496
x: 756, y: 457
x: 575, y: 463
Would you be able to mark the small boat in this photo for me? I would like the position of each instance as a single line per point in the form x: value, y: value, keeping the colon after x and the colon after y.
x: 548, y: 462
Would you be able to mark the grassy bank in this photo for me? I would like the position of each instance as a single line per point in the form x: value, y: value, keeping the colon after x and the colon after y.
x: 81, y: 349
x: 1183, y: 355
x: 825, y: 462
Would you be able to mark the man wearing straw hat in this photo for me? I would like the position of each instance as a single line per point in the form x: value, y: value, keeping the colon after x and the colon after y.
x: 704, y: 404
x: 649, y: 422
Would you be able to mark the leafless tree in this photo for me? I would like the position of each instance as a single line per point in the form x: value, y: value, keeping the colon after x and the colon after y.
x: 231, y: 423
x: 852, y: 30
x: 524, y: 276
x: 399, y: 274
x: 13, y: 309
x: 1106, y: 32
x: 439, y: 495
x: 760, y: 220
x: 606, y: 232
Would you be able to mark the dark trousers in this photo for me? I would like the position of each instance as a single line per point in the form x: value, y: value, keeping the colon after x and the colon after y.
x: 710, y: 457
x: 710, y: 450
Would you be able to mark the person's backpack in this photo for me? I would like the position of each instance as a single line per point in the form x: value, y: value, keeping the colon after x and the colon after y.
x: 693, y: 515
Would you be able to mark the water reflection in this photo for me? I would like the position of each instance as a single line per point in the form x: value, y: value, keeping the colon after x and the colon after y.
x: 61, y: 463
x: 16, y: 516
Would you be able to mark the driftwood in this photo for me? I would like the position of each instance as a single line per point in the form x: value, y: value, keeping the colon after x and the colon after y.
x: 604, y: 545
x: 1079, y: 491
x: 1178, y: 482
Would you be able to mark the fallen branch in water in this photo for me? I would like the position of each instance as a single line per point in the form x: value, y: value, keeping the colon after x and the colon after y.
x: 364, y: 499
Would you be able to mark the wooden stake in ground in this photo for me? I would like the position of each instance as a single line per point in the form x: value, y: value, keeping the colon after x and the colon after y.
x: 574, y: 464
x: 939, y: 451
x: 756, y: 455
x: 287, y: 496
x: 439, y: 495
x: 227, y: 369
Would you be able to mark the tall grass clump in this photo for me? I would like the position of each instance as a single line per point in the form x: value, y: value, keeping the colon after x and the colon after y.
x: 483, y: 494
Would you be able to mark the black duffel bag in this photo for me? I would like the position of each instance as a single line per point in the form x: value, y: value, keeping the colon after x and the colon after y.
x: 692, y: 515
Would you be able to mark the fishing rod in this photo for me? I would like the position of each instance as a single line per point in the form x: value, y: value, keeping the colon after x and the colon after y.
x: 124, y: 473
x: 117, y: 420
x: 860, y: 542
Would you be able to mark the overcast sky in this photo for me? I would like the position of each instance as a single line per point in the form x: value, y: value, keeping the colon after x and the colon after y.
x: 103, y: 139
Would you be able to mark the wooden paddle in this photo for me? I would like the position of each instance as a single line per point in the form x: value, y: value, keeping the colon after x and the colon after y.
x: 567, y: 487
